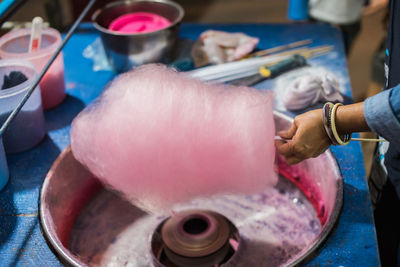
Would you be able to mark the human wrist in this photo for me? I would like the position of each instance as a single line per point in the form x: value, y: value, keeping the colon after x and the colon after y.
x: 329, y: 120
x: 350, y: 119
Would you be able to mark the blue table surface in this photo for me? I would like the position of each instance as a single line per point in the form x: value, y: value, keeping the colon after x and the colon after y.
x: 352, y: 242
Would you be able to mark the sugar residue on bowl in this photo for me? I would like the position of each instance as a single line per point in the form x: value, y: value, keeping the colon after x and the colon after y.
x: 276, y: 227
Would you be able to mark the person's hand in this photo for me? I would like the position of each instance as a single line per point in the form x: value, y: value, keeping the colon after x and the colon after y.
x: 306, y: 138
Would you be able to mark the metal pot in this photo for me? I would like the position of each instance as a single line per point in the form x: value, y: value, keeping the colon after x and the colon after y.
x: 69, y: 187
x: 125, y: 51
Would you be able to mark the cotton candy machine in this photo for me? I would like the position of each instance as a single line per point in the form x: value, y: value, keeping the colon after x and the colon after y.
x: 88, y: 225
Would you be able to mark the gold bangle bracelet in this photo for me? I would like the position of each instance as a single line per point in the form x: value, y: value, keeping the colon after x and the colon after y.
x: 347, y: 137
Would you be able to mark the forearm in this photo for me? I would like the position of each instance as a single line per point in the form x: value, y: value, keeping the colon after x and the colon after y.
x: 307, y: 136
x: 350, y: 119
x: 381, y: 111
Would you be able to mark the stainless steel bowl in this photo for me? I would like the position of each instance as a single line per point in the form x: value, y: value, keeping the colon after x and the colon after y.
x: 125, y: 51
x: 69, y: 187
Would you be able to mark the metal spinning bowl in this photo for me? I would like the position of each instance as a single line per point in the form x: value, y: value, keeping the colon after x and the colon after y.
x: 68, y: 188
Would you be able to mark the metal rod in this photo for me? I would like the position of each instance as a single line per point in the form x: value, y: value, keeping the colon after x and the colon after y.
x: 8, y: 8
x: 43, y: 72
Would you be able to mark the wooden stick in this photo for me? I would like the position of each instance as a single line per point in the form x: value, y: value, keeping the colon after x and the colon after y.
x: 279, y: 48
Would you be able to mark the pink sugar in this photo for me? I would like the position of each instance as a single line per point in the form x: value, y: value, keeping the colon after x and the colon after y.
x: 52, y: 86
x: 301, y: 179
x: 139, y: 22
x: 52, y: 89
x: 161, y: 138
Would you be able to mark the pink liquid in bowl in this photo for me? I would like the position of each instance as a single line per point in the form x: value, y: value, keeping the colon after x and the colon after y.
x: 139, y: 22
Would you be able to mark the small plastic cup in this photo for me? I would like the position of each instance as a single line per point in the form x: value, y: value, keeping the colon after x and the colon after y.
x: 15, y: 44
x: 28, y: 127
x: 298, y: 10
x: 4, y: 175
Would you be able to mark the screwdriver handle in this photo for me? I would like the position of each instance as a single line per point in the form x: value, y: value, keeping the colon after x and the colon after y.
x: 285, y: 65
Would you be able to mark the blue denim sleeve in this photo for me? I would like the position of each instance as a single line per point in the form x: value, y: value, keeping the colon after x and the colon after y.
x: 394, y: 100
x: 382, y: 114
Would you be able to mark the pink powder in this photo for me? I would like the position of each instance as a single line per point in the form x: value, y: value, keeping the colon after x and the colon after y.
x: 15, y: 45
x: 52, y: 88
x: 161, y: 137
x: 139, y: 22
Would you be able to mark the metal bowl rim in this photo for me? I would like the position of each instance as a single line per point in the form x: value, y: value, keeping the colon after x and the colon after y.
x: 100, y: 28
x: 74, y: 261
x: 63, y: 252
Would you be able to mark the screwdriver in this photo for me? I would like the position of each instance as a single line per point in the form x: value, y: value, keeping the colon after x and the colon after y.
x: 271, y: 71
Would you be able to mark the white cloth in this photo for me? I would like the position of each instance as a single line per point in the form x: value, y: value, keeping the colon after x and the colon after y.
x: 336, y: 11
x: 308, y: 90
x: 221, y: 47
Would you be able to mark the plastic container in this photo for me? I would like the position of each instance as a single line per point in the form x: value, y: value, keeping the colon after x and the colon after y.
x: 3, y: 167
x: 298, y: 10
x: 15, y: 44
x: 28, y: 127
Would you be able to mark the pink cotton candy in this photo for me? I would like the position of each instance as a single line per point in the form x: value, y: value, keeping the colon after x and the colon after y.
x: 161, y: 137
x: 139, y: 22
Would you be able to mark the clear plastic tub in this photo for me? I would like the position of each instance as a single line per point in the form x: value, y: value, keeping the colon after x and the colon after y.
x: 28, y: 127
x: 15, y: 44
